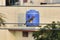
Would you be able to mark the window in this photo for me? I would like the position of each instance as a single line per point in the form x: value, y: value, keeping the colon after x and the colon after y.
x: 52, y: 1
x: 56, y: 1
x: 25, y: 34
x: 24, y: 1
x: 12, y: 2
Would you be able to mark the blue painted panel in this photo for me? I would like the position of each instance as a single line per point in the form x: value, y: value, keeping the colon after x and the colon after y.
x: 32, y: 18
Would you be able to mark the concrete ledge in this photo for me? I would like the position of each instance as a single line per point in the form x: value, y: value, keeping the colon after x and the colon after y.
x: 29, y: 29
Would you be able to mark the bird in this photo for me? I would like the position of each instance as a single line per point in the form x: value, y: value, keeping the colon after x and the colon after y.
x: 30, y: 20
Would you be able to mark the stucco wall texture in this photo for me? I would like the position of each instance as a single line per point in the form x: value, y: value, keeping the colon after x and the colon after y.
x: 47, y: 15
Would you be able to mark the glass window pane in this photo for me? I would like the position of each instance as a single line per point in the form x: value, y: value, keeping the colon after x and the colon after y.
x: 56, y: 1
x: 25, y: 34
x: 24, y: 1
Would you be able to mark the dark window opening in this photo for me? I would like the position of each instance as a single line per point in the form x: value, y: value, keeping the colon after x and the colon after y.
x: 25, y: 34
x: 24, y: 1
x: 12, y: 2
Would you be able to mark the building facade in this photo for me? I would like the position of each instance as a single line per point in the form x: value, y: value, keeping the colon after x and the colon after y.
x: 15, y: 12
x: 28, y: 2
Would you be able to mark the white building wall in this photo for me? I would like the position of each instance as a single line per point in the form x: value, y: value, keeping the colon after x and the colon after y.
x: 47, y: 14
x: 2, y: 2
x: 19, y: 36
x: 3, y: 34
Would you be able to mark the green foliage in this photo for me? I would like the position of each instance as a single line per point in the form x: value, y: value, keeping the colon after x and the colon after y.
x: 2, y: 22
x: 47, y: 34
